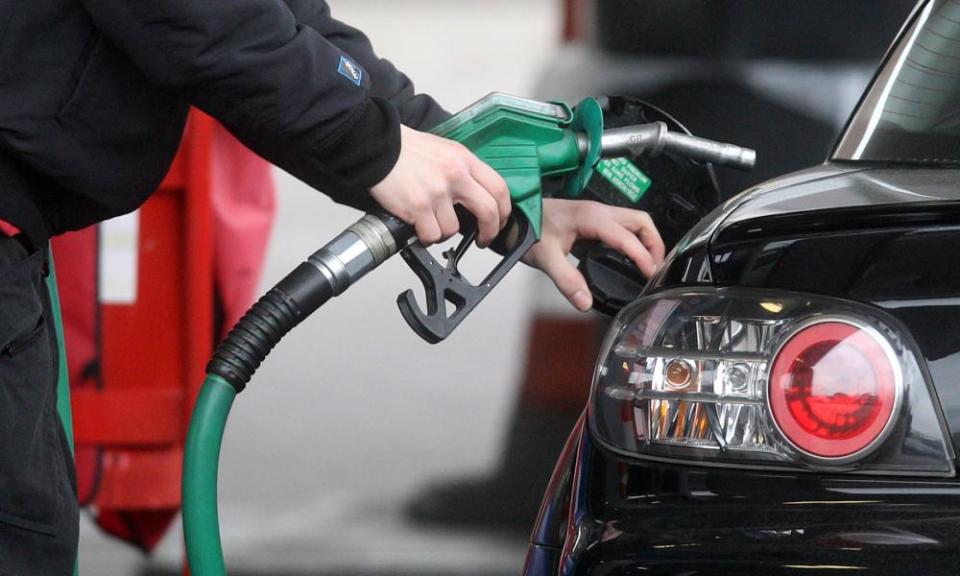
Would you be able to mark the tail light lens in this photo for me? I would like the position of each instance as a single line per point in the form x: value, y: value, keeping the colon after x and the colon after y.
x: 748, y: 377
x: 835, y: 388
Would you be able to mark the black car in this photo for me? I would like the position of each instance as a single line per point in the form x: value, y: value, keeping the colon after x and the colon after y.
x: 784, y: 396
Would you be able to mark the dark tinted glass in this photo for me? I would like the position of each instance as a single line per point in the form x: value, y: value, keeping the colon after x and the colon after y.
x: 911, y: 113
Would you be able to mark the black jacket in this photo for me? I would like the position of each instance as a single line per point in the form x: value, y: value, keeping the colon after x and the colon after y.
x: 94, y: 95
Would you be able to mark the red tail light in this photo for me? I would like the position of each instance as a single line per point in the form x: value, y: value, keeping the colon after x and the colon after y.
x: 748, y: 377
x: 834, y: 388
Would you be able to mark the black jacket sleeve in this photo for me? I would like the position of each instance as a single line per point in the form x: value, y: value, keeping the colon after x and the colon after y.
x: 416, y: 110
x: 285, y: 90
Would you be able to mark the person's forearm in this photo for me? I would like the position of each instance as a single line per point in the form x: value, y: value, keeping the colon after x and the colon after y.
x: 418, y: 111
x: 280, y: 86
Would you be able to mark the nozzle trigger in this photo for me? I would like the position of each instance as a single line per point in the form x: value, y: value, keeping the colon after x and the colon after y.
x: 444, y: 283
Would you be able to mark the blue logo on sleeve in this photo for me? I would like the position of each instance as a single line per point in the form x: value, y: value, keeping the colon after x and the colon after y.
x: 350, y: 70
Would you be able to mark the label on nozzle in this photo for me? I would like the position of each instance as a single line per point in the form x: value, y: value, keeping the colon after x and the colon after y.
x: 625, y: 177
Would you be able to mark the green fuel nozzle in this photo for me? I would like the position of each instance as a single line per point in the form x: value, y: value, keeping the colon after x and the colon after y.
x: 527, y: 141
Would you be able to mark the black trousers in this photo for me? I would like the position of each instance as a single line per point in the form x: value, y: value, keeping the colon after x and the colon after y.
x: 38, y: 505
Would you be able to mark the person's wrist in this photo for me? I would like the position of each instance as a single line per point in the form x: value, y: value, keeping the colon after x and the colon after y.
x: 361, y: 158
x: 368, y: 151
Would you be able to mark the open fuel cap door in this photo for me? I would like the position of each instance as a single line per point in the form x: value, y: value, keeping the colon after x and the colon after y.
x: 675, y: 191
x: 614, y: 280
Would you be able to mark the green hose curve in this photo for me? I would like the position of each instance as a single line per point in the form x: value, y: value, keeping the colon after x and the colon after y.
x: 201, y: 527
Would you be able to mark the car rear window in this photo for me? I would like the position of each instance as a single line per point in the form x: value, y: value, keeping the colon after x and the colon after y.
x: 911, y: 112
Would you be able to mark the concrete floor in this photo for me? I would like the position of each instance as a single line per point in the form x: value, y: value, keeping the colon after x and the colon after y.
x: 352, y: 413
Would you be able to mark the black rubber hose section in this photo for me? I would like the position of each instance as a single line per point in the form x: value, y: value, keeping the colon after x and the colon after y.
x: 294, y: 298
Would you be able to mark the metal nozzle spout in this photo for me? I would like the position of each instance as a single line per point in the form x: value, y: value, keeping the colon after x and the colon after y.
x: 709, y: 151
x: 653, y: 139
x: 642, y: 139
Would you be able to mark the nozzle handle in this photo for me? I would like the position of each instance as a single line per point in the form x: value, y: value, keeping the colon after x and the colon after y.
x: 444, y: 284
x: 653, y: 139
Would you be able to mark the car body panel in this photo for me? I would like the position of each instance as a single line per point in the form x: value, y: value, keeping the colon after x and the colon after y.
x: 662, y: 519
x: 850, y: 186
x: 632, y: 517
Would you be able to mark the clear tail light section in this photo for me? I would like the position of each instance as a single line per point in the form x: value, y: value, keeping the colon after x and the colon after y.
x: 742, y: 377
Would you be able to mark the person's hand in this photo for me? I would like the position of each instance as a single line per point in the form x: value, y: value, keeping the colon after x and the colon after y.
x: 631, y: 232
x: 430, y: 177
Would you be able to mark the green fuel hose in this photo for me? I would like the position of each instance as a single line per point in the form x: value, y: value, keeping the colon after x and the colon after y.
x: 201, y: 526
x: 327, y: 273
x: 63, y: 374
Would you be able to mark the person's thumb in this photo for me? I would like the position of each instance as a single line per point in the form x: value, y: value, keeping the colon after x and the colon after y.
x: 567, y: 279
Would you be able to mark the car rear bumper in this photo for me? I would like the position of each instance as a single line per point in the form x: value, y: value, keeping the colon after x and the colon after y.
x: 631, y: 517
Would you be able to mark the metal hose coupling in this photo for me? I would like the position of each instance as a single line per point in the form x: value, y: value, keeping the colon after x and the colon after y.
x: 360, y: 248
x: 327, y: 273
